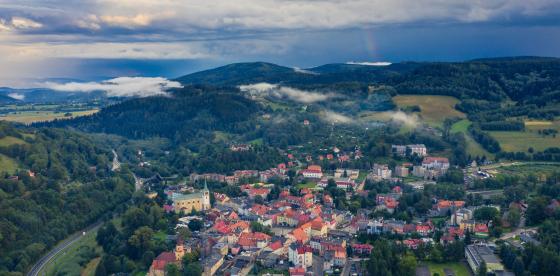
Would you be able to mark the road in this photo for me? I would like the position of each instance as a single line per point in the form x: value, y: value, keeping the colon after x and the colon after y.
x: 317, y: 265
x: 116, y: 164
x: 517, y: 232
x: 39, y: 265
x: 60, y: 248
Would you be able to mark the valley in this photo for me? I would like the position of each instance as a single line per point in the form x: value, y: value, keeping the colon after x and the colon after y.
x: 250, y: 166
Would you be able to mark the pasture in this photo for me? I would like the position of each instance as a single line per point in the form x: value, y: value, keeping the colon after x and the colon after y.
x: 434, y: 109
x: 28, y: 117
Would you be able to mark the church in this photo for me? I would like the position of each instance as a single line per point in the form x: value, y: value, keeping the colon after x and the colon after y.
x: 199, y: 201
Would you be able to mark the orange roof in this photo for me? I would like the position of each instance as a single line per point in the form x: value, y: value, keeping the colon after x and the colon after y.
x: 260, y: 209
x: 299, y: 234
x: 448, y: 203
x: 314, y: 168
x: 317, y: 224
x: 251, y: 239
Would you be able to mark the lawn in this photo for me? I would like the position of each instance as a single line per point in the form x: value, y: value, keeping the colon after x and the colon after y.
x: 308, y: 185
x: 460, y: 269
x: 461, y: 126
x: 28, y: 117
x: 473, y: 148
x: 8, y: 164
x: 433, y: 109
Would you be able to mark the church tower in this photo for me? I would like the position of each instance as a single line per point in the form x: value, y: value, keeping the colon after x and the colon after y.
x: 205, y: 197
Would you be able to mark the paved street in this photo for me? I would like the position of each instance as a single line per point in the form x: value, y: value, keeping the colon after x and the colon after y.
x: 59, y: 249
x: 317, y: 265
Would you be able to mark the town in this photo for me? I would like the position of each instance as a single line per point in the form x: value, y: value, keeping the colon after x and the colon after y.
x: 303, y: 229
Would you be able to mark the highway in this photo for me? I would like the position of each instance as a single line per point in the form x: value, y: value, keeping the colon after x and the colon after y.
x: 60, y: 248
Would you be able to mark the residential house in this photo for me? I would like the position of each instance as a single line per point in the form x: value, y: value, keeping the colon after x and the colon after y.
x: 300, y: 255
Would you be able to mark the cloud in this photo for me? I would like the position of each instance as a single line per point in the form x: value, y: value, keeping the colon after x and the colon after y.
x: 336, y: 118
x: 172, y: 17
x: 366, y: 63
x: 409, y: 120
x: 25, y: 23
x: 278, y: 91
x: 303, y: 71
x: 120, y: 87
x: 18, y: 23
x: 17, y: 96
x: 127, y: 21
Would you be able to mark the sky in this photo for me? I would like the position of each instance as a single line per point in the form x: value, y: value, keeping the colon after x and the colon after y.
x: 94, y: 40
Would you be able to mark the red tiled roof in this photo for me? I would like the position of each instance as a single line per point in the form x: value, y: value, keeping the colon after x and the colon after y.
x: 481, y: 228
x: 275, y: 245
x: 162, y: 260
x: 428, y: 160
x: 304, y: 249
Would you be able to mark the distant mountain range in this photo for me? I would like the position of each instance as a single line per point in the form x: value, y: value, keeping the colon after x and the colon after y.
x: 44, y: 95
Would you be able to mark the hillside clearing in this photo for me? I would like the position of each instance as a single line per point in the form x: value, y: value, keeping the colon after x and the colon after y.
x: 434, y: 109
x: 9, y: 140
x: 7, y: 164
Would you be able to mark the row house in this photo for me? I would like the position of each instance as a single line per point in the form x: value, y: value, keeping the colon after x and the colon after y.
x: 362, y: 249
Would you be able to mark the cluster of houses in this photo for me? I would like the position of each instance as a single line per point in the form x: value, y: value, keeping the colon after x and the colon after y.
x: 289, y: 232
x: 239, y: 175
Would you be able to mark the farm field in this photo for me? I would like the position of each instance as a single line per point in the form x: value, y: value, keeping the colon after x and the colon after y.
x: 525, y: 169
x: 28, y: 117
x: 522, y: 140
x: 434, y: 109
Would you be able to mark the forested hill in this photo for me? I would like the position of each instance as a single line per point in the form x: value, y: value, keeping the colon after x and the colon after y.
x: 490, y: 91
x: 181, y: 115
x: 518, y: 86
x: 255, y: 72
x: 52, y: 183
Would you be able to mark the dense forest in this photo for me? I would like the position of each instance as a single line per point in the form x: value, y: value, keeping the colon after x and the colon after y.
x: 179, y: 116
x: 64, y: 184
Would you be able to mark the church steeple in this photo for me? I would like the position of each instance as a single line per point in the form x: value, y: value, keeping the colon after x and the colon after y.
x: 206, y: 197
x: 205, y: 189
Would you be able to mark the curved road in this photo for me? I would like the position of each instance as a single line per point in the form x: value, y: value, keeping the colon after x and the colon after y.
x: 60, y: 248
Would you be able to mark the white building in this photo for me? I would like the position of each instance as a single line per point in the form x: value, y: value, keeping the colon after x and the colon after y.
x: 382, y: 171
x: 300, y: 255
x: 418, y: 149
